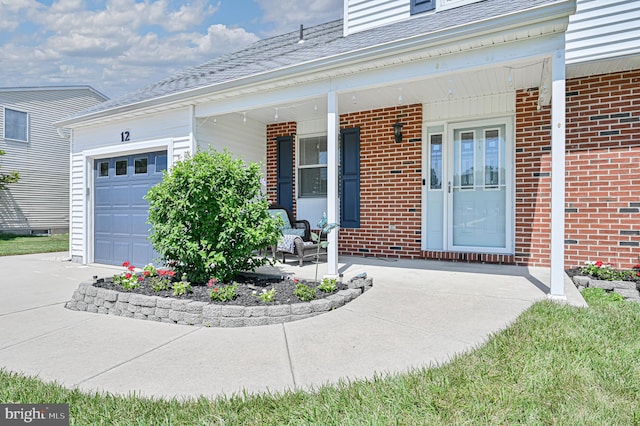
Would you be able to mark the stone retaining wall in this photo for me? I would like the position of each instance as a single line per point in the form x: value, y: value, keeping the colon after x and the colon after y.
x: 181, y: 311
x: 627, y: 289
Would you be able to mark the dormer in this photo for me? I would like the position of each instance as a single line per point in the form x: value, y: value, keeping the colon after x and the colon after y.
x: 360, y: 15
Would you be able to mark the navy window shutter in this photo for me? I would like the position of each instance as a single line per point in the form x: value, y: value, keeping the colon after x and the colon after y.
x: 418, y: 6
x: 350, y: 178
x: 284, y: 189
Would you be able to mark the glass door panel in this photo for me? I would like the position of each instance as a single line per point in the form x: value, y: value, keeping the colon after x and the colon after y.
x: 478, y: 189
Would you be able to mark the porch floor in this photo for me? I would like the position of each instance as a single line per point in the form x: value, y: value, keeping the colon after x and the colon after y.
x: 417, y: 313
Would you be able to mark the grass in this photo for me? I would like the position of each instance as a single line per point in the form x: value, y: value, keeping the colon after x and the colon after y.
x: 554, y: 365
x: 27, y: 244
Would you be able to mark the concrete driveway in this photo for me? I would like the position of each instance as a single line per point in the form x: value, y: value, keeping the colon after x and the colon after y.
x: 418, y: 313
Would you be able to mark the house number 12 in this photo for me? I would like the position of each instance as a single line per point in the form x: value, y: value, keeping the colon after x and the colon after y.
x: 124, y: 136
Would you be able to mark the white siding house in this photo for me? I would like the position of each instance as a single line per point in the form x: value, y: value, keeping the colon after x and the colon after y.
x: 39, y: 201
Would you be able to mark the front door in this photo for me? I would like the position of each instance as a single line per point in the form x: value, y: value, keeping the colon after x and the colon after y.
x: 469, y: 193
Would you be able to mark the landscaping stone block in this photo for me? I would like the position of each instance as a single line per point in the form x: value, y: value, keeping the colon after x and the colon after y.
x: 605, y: 285
x: 581, y: 280
x: 92, y: 308
x: 255, y: 321
x: 302, y: 316
x: 107, y: 304
x: 134, y: 308
x: 176, y: 315
x: 148, y: 310
x: 279, y: 320
x: 630, y: 294
x: 164, y: 302
x: 153, y: 318
x: 347, y: 294
x: 122, y: 306
x: 127, y: 314
x: 167, y: 320
x: 336, y: 300
x: 91, y: 291
x: 211, y: 311
x: 195, y: 307
x: 278, y: 310
x: 89, y: 299
x: 179, y: 305
x: 232, y: 322
x: 162, y: 312
x: 255, y: 311
x: 211, y: 322
x: 232, y: 312
x: 72, y: 304
x: 321, y: 305
x: 139, y: 315
x: 624, y: 284
x: 142, y: 300
x: 123, y: 296
x: 103, y: 310
x: 99, y: 301
x: 192, y: 319
x: 301, y: 308
x: 77, y: 295
x: 82, y: 306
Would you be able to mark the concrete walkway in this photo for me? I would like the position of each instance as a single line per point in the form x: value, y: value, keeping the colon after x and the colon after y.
x: 418, y: 313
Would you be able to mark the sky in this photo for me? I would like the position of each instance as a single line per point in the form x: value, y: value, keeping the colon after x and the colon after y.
x: 119, y: 46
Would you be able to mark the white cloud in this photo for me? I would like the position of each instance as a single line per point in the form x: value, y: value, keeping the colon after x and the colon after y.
x: 287, y: 15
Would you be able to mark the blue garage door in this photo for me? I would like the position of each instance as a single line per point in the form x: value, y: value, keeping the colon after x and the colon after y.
x: 120, y: 210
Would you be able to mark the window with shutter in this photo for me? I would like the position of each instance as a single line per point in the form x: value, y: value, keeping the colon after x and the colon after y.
x: 419, y: 6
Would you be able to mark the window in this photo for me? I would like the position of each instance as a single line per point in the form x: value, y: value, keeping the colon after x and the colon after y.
x: 312, y: 166
x: 121, y: 167
x: 436, y: 161
x: 103, y: 169
x: 16, y: 125
x: 419, y: 6
x: 140, y: 165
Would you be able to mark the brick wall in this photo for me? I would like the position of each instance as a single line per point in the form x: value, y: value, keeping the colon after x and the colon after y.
x: 274, y: 131
x: 602, y: 214
x: 390, y: 184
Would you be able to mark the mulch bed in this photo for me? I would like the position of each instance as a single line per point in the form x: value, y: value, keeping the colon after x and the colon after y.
x: 247, y: 284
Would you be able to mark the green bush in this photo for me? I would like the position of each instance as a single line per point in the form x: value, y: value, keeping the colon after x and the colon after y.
x: 224, y: 293
x: 208, y: 216
x: 304, y: 292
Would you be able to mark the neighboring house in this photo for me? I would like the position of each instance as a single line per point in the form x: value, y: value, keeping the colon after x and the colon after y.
x: 443, y: 129
x: 39, y: 202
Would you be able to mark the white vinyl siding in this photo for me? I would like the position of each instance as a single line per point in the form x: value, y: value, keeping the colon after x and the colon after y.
x: 365, y: 14
x: 469, y: 108
x: 247, y: 140
x: 39, y: 201
x: 603, y: 29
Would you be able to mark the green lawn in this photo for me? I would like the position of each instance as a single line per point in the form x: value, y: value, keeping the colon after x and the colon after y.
x: 26, y: 244
x: 554, y: 365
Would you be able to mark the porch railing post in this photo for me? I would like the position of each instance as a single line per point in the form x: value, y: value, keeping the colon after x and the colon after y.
x: 558, y: 130
x: 333, y: 201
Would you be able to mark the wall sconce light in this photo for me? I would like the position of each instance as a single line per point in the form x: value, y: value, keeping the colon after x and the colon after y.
x: 397, y: 131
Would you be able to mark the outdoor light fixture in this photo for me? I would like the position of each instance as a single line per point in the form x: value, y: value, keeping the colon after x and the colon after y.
x: 397, y: 131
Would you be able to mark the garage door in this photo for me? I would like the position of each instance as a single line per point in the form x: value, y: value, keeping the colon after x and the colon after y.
x: 120, y: 210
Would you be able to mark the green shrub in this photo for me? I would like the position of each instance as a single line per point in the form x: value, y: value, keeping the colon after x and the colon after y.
x: 208, y: 216
x: 304, y: 292
x: 181, y: 288
x: 328, y: 285
x: 224, y: 293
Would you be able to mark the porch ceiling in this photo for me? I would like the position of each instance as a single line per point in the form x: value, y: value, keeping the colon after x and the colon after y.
x: 455, y: 86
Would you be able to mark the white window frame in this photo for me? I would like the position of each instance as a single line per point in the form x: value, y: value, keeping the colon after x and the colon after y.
x: 4, y: 124
x: 300, y: 167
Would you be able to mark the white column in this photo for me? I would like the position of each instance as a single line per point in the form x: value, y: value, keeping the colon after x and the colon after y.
x: 557, y: 173
x: 333, y: 201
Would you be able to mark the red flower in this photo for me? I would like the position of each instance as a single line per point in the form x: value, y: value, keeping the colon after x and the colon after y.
x: 215, y: 290
x: 127, y: 275
x: 637, y: 266
x: 638, y: 274
x: 146, y: 273
x: 162, y: 272
x: 125, y: 264
x: 140, y: 278
x: 171, y: 273
x: 599, y: 264
x: 295, y: 280
x: 131, y: 268
x: 212, y: 281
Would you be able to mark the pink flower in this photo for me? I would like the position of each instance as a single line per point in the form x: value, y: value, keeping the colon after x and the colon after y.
x: 126, y: 264
x: 295, y: 280
x: 215, y: 290
x: 212, y: 281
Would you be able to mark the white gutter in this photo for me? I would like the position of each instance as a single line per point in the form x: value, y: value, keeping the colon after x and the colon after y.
x: 544, y: 13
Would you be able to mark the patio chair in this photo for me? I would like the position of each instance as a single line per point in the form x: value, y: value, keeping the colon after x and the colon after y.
x: 296, y: 236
